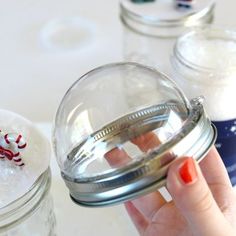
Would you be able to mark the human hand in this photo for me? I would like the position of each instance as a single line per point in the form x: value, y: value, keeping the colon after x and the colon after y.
x: 204, y: 202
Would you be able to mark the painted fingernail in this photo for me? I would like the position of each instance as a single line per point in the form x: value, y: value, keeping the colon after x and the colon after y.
x: 187, y: 171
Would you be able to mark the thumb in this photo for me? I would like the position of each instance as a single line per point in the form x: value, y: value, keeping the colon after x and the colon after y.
x: 194, y: 199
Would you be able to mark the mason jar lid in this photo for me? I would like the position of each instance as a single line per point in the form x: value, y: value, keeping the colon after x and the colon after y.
x: 119, y: 127
x: 163, y: 18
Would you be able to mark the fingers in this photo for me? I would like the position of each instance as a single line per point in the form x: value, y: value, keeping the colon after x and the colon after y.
x: 150, y: 141
x: 149, y: 204
x: 145, y: 206
x: 214, y: 170
x: 217, y: 178
x: 117, y: 157
x: 193, y: 197
x: 146, y: 141
x: 138, y: 219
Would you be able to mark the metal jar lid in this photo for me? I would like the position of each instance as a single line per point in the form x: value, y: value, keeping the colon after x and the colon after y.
x: 162, y: 18
x: 104, y: 163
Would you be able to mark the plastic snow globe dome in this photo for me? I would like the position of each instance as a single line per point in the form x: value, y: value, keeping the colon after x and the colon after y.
x: 119, y: 127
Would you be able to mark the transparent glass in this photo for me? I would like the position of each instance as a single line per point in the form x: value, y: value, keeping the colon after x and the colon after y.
x: 110, y: 109
x: 119, y: 127
x: 151, y: 28
x: 204, y: 62
x: 199, y: 70
x: 31, y: 214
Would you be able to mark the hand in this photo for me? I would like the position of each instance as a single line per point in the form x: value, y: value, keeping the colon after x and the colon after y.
x: 204, y: 202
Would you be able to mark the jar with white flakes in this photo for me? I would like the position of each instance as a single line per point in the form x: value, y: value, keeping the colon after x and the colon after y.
x: 150, y: 27
x: 32, y: 213
x: 26, y: 206
x: 204, y: 63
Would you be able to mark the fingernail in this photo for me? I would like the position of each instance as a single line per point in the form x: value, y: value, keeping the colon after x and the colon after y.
x: 187, y: 171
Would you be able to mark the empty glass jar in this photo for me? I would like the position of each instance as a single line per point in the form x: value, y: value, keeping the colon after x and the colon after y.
x: 151, y: 28
x: 119, y: 127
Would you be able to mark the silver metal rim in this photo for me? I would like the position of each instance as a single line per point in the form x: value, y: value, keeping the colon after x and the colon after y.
x: 148, y: 175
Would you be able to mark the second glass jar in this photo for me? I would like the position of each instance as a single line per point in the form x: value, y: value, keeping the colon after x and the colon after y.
x: 151, y: 28
x: 31, y: 214
x: 204, y: 63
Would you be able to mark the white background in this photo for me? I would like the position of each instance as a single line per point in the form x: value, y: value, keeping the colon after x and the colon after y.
x: 35, y: 76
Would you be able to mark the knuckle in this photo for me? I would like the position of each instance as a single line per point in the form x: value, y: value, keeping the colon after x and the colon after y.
x: 202, y: 203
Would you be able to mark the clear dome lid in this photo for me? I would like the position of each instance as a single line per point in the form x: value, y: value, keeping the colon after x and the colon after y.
x: 118, y: 125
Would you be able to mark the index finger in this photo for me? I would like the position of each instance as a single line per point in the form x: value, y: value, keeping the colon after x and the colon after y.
x: 214, y: 170
x: 216, y: 176
x: 147, y: 205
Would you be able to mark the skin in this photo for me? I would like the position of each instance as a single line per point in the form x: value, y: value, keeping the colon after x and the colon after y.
x: 206, y: 206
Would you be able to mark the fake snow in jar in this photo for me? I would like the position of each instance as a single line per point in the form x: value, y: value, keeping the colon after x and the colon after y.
x: 26, y: 206
x: 204, y: 63
x: 151, y: 27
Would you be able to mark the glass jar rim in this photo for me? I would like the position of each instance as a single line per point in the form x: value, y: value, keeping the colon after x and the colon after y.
x: 225, y: 33
x: 17, y: 211
x: 137, y: 21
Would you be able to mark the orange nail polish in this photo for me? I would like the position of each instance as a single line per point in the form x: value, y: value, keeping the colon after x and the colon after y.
x: 188, y: 171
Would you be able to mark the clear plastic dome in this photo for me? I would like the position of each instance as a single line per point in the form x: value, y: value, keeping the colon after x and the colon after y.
x: 115, y: 118
x: 125, y: 97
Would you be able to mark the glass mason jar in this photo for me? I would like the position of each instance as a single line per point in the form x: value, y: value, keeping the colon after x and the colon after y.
x: 31, y: 214
x: 204, y: 63
x: 151, y: 28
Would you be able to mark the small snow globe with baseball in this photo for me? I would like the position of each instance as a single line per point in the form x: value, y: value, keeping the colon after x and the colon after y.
x: 25, y: 203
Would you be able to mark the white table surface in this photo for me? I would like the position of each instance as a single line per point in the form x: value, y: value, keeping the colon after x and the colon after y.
x: 35, y: 76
